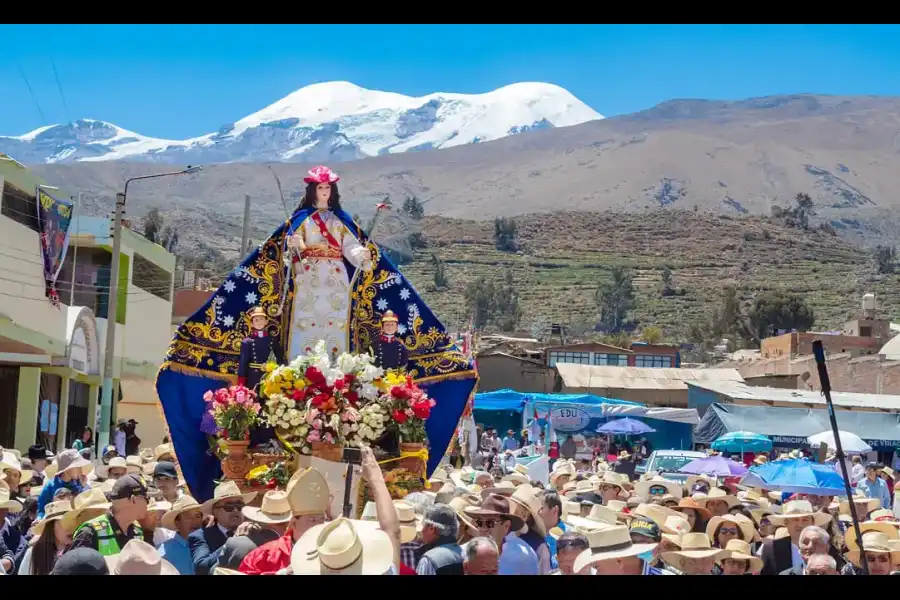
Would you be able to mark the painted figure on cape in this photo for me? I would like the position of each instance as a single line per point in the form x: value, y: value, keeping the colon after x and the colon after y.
x: 257, y: 349
x: 389, y: 351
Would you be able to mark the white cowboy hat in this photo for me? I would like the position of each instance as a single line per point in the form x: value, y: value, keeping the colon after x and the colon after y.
x: 139, y: 558
x: 692, y: 479
x: 608, y: 544
x: 887, y: 528
x: 162, y: 450
x: 517, y: 478
x: 116, y: 462
x: 11, y: 461
x: 674, y: 527
x: 529, y: 498
x: 693, y: 545
x: 574, y: 488
x: 134, y: 464
x: 52, y: 512
x: 504, y: 488
x: 715, y: 494
x: 745, y: 525
x: 410, y: 524
x: 275, y: 509
x: 798, y: 509
x: 183, y: 504
x: 13, y: 506
x: 642, y: 488
x: 866, y: 504
x: 600, y: 517
x: 740, y: 550
x: 92, y: 501
x: 657, y: 514
x: 224, y: 491
x: 342, y: 547
x: 875, y: 542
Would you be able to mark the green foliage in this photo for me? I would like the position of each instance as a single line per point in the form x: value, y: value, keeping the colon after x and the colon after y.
x: 615, y: 298
x: 884, y: 258
x: 156, y: 231
x: 797, y: 217
x: 440, y: 272
x: 412, y: 208
x: 667, y: 288
x: 652, y: 334
x: 619, y: 339
x: 505, y: 234
x: 493, y: 303
x: 780, y: 310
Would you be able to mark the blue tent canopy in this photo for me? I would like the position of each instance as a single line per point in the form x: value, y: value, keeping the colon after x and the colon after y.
x: 515, y: 401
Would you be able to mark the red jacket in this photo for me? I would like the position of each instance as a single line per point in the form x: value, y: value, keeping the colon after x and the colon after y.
x: 270, y: 557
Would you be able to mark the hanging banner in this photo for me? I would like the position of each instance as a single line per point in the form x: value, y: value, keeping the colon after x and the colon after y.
x: 54, y: 218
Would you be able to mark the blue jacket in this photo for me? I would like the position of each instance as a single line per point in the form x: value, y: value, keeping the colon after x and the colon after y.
x: 206, y: 546
x: 12, y: 544
x: 49, y: 490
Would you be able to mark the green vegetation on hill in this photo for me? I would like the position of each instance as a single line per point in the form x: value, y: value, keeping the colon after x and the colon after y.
x: 563, y: 258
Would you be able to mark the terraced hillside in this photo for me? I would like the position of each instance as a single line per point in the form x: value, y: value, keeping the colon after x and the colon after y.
x: 563, y: 257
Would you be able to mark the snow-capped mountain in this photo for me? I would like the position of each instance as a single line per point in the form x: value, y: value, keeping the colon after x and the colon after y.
x: 332, y: 121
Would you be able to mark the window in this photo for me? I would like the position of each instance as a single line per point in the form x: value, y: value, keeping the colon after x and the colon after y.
x: 151, y: 278
x: 580, y: 358
x: 658, y: 362
x: 19, y: 206
x: 610, y: 360
x: 865, y: 332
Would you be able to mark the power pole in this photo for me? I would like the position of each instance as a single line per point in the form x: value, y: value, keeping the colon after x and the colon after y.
x: 245, y: 233
x: 112, y: 308
x: 74, y: 254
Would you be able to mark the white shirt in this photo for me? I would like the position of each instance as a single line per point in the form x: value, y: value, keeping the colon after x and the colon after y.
x: 25, y: 565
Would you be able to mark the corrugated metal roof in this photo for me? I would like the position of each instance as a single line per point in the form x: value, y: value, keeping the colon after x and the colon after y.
x: 739, y: 391
x: 639, y: 378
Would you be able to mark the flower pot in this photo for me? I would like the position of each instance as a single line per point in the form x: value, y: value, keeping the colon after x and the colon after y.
x: 237, y: 464
x: 332, y: 452
x: 414, y: 464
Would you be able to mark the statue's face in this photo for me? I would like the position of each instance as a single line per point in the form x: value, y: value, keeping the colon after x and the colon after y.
x: 323, y: 194
x: 389, y: 327
x: 259, y: 322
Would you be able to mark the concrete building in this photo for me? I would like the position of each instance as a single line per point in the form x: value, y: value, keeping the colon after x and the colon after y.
x: 593, y: 353
x: 51, y: 357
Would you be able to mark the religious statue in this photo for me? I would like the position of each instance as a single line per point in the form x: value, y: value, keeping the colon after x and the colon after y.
x: 257, y: 349
x: 321, y: 242
x: 389, y: 351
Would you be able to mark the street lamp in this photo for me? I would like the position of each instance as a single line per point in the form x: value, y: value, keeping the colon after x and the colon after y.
x: 112, y: 305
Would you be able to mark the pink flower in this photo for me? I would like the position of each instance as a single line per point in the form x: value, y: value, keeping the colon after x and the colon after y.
x: 311, y: 416
x: 208, y: 396
x: 328, y: 439
x: 317, y: 424
x: 432, y: 402
x: 409, y: 412
x: 314, y: 436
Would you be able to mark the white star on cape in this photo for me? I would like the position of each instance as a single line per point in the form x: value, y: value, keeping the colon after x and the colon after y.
x: 229, y: 286
x: 250, y: 297
x: 401, y: 328
x: 381, y: 304
x: 404, y: 294
x: 228, y: 320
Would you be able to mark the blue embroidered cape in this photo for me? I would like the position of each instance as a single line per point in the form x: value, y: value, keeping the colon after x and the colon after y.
x: 205, y: 350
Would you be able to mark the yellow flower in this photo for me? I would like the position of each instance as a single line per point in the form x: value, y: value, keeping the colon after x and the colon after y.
x: 299, y: 384
x: 253, y: 474
x: 270, y: 367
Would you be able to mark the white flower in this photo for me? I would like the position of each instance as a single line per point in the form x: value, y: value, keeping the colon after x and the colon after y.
x: 368, y: 391
x: 370, y: 373
x: 305, y: 450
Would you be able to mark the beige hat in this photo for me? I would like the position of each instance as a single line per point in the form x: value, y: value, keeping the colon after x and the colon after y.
x: 740, y: 550
x: 504, y: 488
x: 600, y: 517
x: 308, y: 493
x: 797, y: 509
x: 162, y: 450
x: 225, y: 491
x: 52, y: 512
x: 674, y: 527
x: 620, y: 507
x: 134, y: 464
x: 148, y: 468
x: 657, y: 514
x: 560, y: 470
x: 275, y: 509
x: 863, y: 505
x: 877, y: 543
x: 342, y: 547
x: 116, y: 462
x: 693, y: 545
x: 579, y: 487
x: 745, y: 525
x: 11, y: 461
x: 887, y: 528
x: 459, y: 506
x: 6, y: 503
x: 224, y: 571
x: 517, y: 478
x: 106, y: 486
x: 139, y: 558
x: 163, y: 506
x: 715, y: 494
x: 410, y: 524
x: 529, y: 498
x: 609, y: 543
x: 146, y: 454
x: 708, y: 479
x: 183, y: 504
x: 642, y: 488
x: 87, y: 505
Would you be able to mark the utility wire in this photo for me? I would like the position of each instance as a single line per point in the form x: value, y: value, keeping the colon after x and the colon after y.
x: 31, y: 90
x: 59, y: 87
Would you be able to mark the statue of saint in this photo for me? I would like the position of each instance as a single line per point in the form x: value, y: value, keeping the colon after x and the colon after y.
x: 389, y: 351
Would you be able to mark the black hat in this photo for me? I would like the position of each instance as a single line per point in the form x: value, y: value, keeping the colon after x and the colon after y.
x: 128, y: 486
x: 165, y: 469
x: 80, y: 561
x: 38, y: 452
x: 646, y: 528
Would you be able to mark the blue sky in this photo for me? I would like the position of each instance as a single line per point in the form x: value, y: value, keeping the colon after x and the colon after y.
x: 178, y: 81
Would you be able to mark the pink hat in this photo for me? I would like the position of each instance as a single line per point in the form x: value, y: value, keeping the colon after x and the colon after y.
x: 321, y: 174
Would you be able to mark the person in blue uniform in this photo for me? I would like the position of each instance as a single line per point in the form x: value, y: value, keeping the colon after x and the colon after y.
x: 389, y: 351
x: 256, y: 351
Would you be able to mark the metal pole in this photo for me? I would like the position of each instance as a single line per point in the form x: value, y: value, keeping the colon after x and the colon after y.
x: 74, y: 256
x: 112, y: 307
x: 819, y: 353
x: 245, y: 233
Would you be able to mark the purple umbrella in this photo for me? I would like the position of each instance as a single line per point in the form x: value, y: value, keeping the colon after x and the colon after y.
x: 625, y: 426
x: 714, y: 465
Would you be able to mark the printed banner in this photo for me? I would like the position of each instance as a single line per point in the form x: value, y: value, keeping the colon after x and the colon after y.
x: 54, y: 218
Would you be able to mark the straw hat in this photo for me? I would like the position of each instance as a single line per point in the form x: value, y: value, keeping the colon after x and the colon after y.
x: 609, y: 543
x: 875, y: 542
x: 657, y: 514
x: 139, y: 558
x: 106, y: 486
x: 146, y: 454
x: 579, y: 487
x: 342, y: 547
x: 409, y: 522
x: 740, y: 550
x: 159, y: 506
x: 745, y: 525
x: 504, y: 488
x: 162, y: 450
x: 52, y: 512
x: 797, y: 509
x: 619, y: 507
x: 459, y: 506
x: 12, y: 506
x: 674, y: 528
x: 308, y: 493
x: 183, y: 504
x: 12, y: 462
x: 496, y: 506
x: 134, y: 464
x: 225, y: 491
x: 561, y: 470
x: 600, y: 517
x: 517, y: 478
x: 275, y: 509
x: 715, y: 494
x: 693, y: 479
x: 863, y: 505
x: 888, y: 471
x: 224, y: 571
x: 884, y: 527
x: 529, y: 498
x: 693, y: 545
x: 116, y: 462
x: 884, y: 515
x: 642, y: 488
x: 92, y: 501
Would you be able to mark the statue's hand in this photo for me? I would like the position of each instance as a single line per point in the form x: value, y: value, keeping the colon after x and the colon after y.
x: 296, y: 241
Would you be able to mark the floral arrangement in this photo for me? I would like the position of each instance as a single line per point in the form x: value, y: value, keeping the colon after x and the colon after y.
x: 271, y: 477
x: 408, y: 406
x: 400, y: 483
x: 231, y: 412
x: 312, y: 400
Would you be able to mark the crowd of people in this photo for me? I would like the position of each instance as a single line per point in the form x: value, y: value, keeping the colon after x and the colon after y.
x: 64, y: 514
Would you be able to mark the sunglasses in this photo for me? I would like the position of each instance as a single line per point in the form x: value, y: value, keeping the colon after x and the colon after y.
x: 571, y: 545
x: 486, y: 523
x: 729, y: 530
x: 658, y: 490
x: 231, y: 507
x: 607, y: 487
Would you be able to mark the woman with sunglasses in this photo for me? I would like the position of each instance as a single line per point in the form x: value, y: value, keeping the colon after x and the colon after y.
x: 568, y: 547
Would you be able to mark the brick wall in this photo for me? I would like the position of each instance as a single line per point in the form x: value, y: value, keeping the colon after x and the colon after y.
x: 800, y: 344
x: 866, y: 374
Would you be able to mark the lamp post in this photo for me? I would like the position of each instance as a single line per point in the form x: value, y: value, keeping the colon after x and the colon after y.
x: 103, y: 437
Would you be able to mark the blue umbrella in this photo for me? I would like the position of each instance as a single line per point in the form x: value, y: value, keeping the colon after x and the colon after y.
x: 625, y: 426
x: 798, y: 476
x: 742, y: 441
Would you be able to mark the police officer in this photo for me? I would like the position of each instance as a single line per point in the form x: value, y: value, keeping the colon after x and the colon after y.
x: 109, y: 532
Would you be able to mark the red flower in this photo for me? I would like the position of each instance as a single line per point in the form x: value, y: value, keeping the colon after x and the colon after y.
x: 351, y: 397
x: 422, y: 409
x: 298, y: 394
x: 320, y: 399
x: 399, y: 416
x: 349, y: 378
x: 314, y: 375
x: 401, y: 393
x: 272, y: 484
x: 339, y: 384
